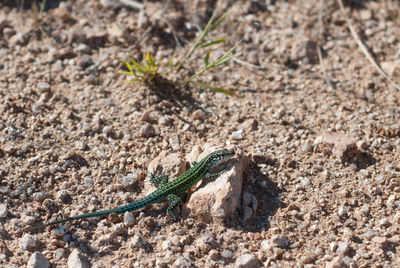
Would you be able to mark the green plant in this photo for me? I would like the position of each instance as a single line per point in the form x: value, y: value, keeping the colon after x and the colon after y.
x: 143, y: 72
x: 38, y: 11
x: 148, y: 71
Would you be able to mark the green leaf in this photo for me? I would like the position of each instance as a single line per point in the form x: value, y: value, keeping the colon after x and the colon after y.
x: 207, y: 57
x: 222, y: 61
x: 213, y: 42
x: 218, y: 22
x: 127, y: 65
x: 138, y: 67
x: 123, y: 72
x: 216, y: 89
x: 150, y: 59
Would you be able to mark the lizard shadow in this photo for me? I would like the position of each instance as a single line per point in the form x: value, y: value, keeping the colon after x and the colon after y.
x: 265, y: 200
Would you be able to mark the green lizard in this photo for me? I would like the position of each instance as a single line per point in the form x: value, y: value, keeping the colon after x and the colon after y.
x: 169, y: 191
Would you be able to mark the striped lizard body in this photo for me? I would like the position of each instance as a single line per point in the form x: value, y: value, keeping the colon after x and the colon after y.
x: 169, y: 191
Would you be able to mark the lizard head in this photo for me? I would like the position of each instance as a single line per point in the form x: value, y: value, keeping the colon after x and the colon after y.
x: 220, y: 156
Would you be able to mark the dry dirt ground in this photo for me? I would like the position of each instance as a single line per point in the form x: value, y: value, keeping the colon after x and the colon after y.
x: 321, y: 132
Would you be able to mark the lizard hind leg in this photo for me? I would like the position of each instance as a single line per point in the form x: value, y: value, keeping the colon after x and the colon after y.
x: 173, y: 201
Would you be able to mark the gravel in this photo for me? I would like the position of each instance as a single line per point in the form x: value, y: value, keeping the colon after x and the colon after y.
x: 322, y: 187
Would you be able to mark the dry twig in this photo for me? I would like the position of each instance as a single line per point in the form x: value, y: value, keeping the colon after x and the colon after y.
x: 363, y: 48
x: 321, y: 60
x: 132, y: 4
x: 156, y: 20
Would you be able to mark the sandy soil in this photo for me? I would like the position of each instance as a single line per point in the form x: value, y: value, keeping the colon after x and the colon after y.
x: 322, y: 133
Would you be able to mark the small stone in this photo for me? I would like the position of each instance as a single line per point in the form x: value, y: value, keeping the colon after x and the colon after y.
x: 43, y: 87
x: 237, y: 135
x: 147, y: 117
x: 107, y: 130
x: 227, y: 254
x: 279, y: 114
x: 175, y: 241
x: 368, y: 235
x: 337, y: 262
x: 379, y: 239
x: 28, y: 242
x: 342, y: 248
x: 267, y: 245
x: 213, y: 254
x: 39, y: 196
x: 3, y: 210
x: 76, y: 259
x: 383, y: 222
x: 83, y: 48
x: 84, y: 61
x: 37, y: 260
x: 342, y: 211
x: 307, y: 259
x: 182, y: 262
x: 307, y: 147
x: 391, y: 200
x: 198, y: 114
x: 250, y: 125
x: 364, y: 172
x: 147, y: 131
x: 129, y: 219
x: 18, y: 39
x: 130, y: 179
x: 166, y: 245
x: 246, y: 261
x: 379, y: 178
x: 397, y: 217
x: 362, y: 145
x: 60, y: 232
x: 206, y: 242
x: 63, y: 195
x: 137, y: 241
x: 281, y: 241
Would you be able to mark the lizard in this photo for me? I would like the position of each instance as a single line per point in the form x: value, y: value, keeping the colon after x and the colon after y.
x: 169, y: 191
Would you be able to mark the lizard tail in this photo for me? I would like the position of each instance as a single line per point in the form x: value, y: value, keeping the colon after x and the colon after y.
x: 152, y: 198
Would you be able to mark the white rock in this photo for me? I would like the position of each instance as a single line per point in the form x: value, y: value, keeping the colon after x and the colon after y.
x: 28, y: 242
x: 219, y: 198
x: 342, y: 248
x: 77, y: 260
x: 267, y: 245
x: 130, y: 179
x: 3, y: 210
x: 37, y: 260
x: 337, y: 262
x: 237, y: 135
x: 246, y: 261
x: 129, y: 219
x: 182, y: 262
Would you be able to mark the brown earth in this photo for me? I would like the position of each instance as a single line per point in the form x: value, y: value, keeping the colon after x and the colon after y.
x: 322, y: 133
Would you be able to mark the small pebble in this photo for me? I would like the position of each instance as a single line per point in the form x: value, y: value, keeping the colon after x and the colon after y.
x: 37, y: 260
x: 76, y: 259
x: 147, y: 131
x: 129, y: 219
x: 246, y: 261
x: 28, y: 242
x: 43, y: 87
x: 3, y: 210
x: 237, y: 135
x: 130, y: 179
